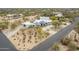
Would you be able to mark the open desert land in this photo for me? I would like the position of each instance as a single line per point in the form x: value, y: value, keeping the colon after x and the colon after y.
x: 31, y: 29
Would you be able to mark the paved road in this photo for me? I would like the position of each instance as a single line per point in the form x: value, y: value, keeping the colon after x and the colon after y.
x: 5, y: 44
x: 44, y: 46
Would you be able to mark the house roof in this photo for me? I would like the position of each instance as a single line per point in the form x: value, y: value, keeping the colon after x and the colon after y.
x: 46, y: 18
x: 59, y: 15
x: 42, y: 20
x: 28, y: 23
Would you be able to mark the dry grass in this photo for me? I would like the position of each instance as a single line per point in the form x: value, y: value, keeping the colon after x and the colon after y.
x: 25, y: 39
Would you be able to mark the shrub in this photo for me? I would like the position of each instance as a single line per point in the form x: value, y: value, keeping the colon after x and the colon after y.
x: 4, y: 25
x: 55, y: 47
x: 13, y: 26
x: 72, y: 46
x: 65, y: 41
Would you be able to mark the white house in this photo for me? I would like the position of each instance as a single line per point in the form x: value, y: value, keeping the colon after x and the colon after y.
x: 42, y: 22
x: 28, y: 25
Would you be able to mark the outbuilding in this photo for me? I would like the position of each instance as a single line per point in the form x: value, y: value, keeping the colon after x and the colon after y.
x: 28, y: 25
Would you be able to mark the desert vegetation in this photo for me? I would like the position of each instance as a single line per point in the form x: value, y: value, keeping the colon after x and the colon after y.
x: 25, y: 39
x: 4, y: 25
x: 71, y: 42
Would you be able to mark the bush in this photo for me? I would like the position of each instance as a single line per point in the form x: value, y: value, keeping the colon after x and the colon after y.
x: 56, y: 23
x: 53, y: 18
x: 55, y: 47
x: 13, y: 26
x: 4, y: 25
x: 72, y: 46
x: 65, y: 41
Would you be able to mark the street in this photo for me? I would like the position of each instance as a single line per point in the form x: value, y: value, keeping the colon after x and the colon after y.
x: 5, y: 44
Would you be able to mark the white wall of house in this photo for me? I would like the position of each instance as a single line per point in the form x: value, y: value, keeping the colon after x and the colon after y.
x: 28, y: 24
x: 38, y: 22
x: 42, y: 21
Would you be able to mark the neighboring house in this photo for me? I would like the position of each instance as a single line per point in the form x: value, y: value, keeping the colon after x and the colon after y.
x: 28, y: 25
x: 13, y: 16
x: 17, y: 16
x: 58, y: 14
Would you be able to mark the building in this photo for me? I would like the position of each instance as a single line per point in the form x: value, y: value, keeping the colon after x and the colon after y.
x: 28, y: 25
x: 13, y: 16
x: 58, y: 14
x: 42, y: 21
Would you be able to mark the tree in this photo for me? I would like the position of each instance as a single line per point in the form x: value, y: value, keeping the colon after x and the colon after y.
x: 56, y: 23
x: 25, y: 19
x: 13, y: 26
x: 55, y: 47
x: 53, y: 18
x: 72, y: 46
x: 4, y: 25
x: 65, y: 41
